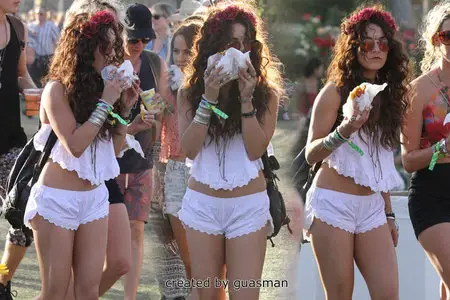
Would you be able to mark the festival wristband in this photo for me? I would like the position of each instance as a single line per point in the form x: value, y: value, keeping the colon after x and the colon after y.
x: 215, y: 110
x: 437, y: 154
x: 113, y: 114
x: 355, y: 147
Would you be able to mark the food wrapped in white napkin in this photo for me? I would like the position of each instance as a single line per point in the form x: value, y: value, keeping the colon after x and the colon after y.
x: 176, y: 77
x: 131, y: 143
x: 447, y: 119
x: 361, y: 98
x: 231, y: 60
x: 110, y: 71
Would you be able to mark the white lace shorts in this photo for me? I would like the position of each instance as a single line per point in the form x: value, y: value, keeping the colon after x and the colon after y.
x: 352, y: 213
x: 232, y: 217
x: 67, y: 209
x: 175, y: 179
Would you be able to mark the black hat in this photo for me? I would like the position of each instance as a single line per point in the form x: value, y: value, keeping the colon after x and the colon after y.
x: 139, y: 18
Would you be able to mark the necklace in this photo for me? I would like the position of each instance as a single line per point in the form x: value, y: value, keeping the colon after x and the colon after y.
x: 2, y: 56
x: 443, y: 90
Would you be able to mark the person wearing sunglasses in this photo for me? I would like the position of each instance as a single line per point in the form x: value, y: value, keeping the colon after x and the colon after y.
x: 425, y: 151
x: 161, y: 13
x: 135, y: 179
x: 348, y: 207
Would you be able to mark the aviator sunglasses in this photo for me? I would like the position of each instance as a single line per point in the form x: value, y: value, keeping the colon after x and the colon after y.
x: 135, y: 41
x: 368, y: 44
x: 444, y: 37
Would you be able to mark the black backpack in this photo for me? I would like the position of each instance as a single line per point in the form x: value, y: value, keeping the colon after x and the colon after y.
x: 277, y: 205
x: 302, y: 173
x: 23, y: 176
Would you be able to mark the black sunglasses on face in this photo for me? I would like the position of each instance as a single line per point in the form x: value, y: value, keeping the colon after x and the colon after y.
x: 135, y: 41
x: 156, y: 17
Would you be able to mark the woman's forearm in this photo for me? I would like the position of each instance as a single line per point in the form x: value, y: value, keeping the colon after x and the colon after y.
x: 316, y: 150
x: 118, y: 136
x: 417, y: 159
x: 255, y: 139
x: 387, y: 202
x: 193, y: 138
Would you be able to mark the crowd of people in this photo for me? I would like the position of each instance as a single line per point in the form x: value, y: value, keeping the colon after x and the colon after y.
x: 197, y: 151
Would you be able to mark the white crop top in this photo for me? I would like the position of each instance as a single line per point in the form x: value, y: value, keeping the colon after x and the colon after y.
x: 377, y: 172
x: 224, y: 166
x: 103, y: 161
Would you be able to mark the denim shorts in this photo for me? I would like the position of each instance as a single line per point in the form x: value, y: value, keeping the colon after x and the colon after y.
x: 176, y: 179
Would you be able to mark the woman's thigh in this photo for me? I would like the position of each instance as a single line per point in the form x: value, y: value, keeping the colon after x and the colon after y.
x: 245, y: 260
x: 119, y: 235
x: 89, y: 254
x: 377, y: 261
x: 207, y: 254
x: 54, y: 246
x: 334, y: 249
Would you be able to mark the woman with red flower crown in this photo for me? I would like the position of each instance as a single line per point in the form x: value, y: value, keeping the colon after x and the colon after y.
x: 225, y: 209
x: 426, y: 140
x: 348, y: 213
x: 68, y: 207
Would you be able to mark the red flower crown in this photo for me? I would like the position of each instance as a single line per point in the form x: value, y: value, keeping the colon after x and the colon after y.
x: 91, y: 27
x: 366, y: 14
x: 229, y: 14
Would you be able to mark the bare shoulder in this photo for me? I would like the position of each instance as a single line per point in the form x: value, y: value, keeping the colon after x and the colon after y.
x: 329, y: 95
x: 422, y: 88
x: 54, y: 93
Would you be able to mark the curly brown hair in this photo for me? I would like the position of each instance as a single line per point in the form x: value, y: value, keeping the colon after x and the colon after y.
x: 266, y: 66
x: 385, y: 119
x: 72, y: 65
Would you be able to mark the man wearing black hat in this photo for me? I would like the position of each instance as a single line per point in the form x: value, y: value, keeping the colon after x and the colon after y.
x: 135, y: 179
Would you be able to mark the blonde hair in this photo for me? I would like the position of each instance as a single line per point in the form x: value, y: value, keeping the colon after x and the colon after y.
x: 432, y: 23
x: 91, y: 7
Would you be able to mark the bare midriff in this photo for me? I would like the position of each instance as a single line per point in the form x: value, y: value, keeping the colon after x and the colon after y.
x: 54, y: 176
x: 329, y: 178
x: 256, y: 185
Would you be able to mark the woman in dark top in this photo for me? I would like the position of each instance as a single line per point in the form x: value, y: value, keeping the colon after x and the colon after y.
x: 135, y: 179
x: 12, y: 136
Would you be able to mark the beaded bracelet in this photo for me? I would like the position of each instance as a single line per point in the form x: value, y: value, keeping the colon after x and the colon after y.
x: 249, y: 114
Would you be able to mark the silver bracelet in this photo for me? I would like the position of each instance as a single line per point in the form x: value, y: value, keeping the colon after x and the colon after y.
x: 98, y: 116
x: 201, y: 120
x: 209, y: 101
x: 331, y: 142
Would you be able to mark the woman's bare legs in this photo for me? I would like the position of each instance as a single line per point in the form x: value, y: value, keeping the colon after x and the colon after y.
x: 131, y: 279
x: 245, y: 260
x: 207, y: 255
x: 436, y: 243
x: 376, y: 259
x: 88, y: 258
x: 118, y: 250
x: 336, y: 265
x: 54, y: 247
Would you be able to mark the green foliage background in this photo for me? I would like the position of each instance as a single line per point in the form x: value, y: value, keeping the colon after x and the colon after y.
x: 280, y: 15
